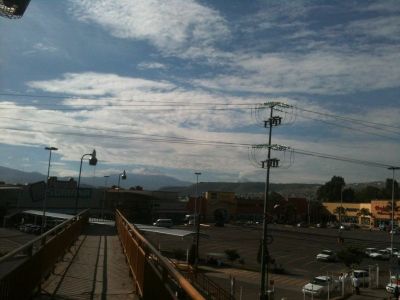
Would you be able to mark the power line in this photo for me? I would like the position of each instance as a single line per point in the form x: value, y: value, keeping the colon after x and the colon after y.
x: 172, y: 140
x: 114, y: 130
x: 99, y: 98
x: 117, y: 108
x: 323, y: 155
x: 363, y: 122
x: 355, y: 129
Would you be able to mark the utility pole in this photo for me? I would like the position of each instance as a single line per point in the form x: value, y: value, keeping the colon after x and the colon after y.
x: 104, y: 196
x: 197, y: 218
x: 392, y: 231
x: 267, y: 164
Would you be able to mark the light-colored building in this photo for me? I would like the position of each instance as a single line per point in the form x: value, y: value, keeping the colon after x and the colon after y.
x: 380, y: 212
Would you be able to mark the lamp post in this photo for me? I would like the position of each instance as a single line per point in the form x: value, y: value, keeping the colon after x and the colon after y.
x: 341, y: 206
x: 50, y: 149
x: 195, y: 201
x: 197, y: 218
x: 104, y: 198
x: 123, y: 176
x: 92, y: 162
x: 392, y: 231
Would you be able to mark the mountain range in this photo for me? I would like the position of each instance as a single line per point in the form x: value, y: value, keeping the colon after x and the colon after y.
x: 184, y: 188
x: 148, y: 182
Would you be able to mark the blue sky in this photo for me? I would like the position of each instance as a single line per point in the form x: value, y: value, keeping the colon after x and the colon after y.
x: 116, y: 75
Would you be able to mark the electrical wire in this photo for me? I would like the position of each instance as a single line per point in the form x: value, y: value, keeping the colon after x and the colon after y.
x: 363, y: 122
x: 98, y: 98
x: 130, y: 137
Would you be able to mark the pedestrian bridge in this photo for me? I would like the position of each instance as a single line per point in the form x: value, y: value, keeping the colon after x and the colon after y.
x: 79, y: 259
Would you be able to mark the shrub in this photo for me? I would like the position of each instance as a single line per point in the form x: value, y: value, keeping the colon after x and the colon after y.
x: 232, y: 254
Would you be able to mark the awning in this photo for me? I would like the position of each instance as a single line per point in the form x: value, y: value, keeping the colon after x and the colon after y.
x: 48, y: 214
x: 168, y: 231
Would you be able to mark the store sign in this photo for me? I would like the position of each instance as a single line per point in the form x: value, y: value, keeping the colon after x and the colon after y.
x: 384, y: 210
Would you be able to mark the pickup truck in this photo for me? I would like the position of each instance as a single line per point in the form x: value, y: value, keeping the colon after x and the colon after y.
x: 320, y: 286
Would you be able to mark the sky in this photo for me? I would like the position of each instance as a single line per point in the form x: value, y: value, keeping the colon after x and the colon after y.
x: 182, y: 86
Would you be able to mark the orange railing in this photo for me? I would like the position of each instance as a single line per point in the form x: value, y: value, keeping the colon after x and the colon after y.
x: 22, y: 270
x: 210, y: 288
x: 153, y: 275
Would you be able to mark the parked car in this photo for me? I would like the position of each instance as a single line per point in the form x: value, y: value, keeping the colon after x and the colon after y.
x: 327, y: 255
x: 301, y: 224
x: 163, y: 223
x: 380, y: 254
x: 395, y: 251
x: 368, y: 251
x: 320, y: 286
x: 321, y: 225
x: 362, y: 276
x: 382, y: 227
x: 394, y: 281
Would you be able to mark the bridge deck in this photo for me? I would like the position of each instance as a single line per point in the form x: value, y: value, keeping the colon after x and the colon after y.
x: 94, y: 268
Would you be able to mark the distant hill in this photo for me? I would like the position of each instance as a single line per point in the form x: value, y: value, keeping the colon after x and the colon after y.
x: 184, y: 188
x: 148, y: 182
x: 246, y: 188
x: 9, y: 175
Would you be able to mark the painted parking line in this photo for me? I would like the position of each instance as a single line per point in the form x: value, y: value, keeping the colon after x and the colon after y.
x: 282, y: 256
x: 296, y: 259
x: 310, y: 262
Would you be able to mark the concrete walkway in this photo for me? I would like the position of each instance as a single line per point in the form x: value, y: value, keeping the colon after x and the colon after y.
x: 94, y: 268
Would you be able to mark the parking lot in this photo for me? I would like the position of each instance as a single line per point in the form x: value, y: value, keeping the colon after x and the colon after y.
x: 293, y: 248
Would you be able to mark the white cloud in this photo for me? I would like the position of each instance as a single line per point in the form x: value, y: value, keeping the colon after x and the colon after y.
x: 379, y: 27
x: 44, y: 47
x: 151, y: 65
x: 388, y: 6
x: 96, y: 85
x: 319, y: 72
x: 175, y: 27
x: 116, y: 142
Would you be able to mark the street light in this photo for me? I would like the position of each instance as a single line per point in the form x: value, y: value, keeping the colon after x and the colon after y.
x: 392, y: 232
x: 195, y: 200
x: 50, y: 149
x: 92, y: 162
x: 341, y: 206
x: 123, y: 176
x: 104, y: 199
x: 197, y: 219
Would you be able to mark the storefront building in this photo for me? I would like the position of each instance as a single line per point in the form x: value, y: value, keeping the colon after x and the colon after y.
x: 367, y: 214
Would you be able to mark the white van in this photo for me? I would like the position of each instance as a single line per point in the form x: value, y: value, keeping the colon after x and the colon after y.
x: 163, y: 223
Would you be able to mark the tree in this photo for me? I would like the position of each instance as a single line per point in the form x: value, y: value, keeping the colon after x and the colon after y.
x: 389, y: 206
x: 331, y: 190
x: 219, y: 217
x: 351, y: 256
x: 340, y: 211
x: 290, y: 212
x: 368, y: 193
x: 387, y: 191
x: 363, y: 212
x: 348, y: 195
x: 232, y: 255
x: 192, y: 254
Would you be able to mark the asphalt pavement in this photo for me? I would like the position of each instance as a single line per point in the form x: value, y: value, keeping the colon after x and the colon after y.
x: 293, y: 248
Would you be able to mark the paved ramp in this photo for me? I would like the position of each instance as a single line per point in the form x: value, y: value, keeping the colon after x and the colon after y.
x: 94, y: 268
